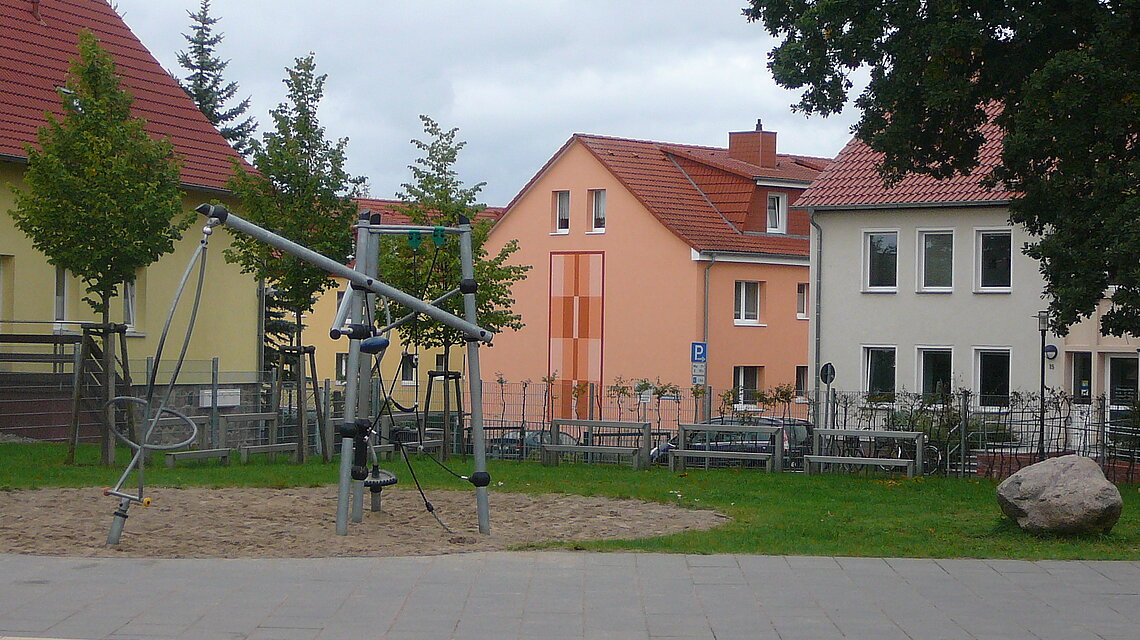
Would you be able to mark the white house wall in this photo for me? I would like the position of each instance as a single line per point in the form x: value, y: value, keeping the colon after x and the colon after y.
x: 963, y: 320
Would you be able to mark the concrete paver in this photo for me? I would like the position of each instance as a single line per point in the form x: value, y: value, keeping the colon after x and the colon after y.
x: 555, y: 595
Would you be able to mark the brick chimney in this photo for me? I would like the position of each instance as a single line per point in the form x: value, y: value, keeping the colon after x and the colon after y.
x: 754, y: 147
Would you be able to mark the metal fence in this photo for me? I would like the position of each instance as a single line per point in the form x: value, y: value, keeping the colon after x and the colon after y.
x: 987, y: 436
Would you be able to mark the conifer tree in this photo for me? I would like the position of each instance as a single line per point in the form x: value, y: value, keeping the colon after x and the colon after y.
x: 206, y: 86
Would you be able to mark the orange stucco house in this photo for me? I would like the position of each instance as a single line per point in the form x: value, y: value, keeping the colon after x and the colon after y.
x: 640, y: 249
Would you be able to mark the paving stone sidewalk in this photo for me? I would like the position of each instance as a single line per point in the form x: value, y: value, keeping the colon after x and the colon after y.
x: 560, y: 595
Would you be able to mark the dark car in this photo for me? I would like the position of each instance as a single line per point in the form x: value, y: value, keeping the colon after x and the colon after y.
x: 797, y: 439
x: 508, y: 445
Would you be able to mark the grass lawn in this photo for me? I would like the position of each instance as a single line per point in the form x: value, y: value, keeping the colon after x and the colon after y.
x: 772, y: 513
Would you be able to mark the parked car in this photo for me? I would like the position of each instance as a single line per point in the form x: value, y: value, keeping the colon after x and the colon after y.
x: 797, y: 439
x: 508, y: 446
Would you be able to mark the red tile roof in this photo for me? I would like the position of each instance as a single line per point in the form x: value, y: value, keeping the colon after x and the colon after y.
x: 390, y: 212
x: 853, y: 181
x: 699, y: 193
x: 35, y: 55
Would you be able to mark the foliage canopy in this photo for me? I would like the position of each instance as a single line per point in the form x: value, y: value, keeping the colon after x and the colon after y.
x: 300, y: 191
x: 1063, y: 78
x: 436, y: 196
x: 102, y: 197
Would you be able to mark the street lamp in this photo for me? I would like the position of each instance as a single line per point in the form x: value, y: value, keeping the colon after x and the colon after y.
x: 1043, y: 327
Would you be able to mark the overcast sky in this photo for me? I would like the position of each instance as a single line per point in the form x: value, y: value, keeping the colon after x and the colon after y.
x: 517, y: 77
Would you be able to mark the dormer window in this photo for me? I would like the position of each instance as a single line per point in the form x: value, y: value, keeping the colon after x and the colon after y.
x: 777, y: 213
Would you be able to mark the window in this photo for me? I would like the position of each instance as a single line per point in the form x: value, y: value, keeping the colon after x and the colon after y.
x: 934, y: 373
x: 1082, y: 377
x: 882, y: 260
x: 777, y: 213
x: 747, y: 382
x: 1122, y: 380
x: 993, y: 378
x: 802, y: 301
x: 936, y: 270
x: 130, y: 302
x: 880, y: 377
x: 561, y: 212
x: 994, y: 260
x: 746, y: 309
x: 60, y: 293
x: 598, y: 207
x: 441, y: 362
x: 801, y: 381
x: 408, y: 364
x: 341, y: 367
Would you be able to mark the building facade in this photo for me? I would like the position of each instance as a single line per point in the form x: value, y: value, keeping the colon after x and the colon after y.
x: 640, y: 249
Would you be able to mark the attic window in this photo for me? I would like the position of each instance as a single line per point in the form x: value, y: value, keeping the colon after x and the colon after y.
x: 70, y: 96
x: 777, y: 213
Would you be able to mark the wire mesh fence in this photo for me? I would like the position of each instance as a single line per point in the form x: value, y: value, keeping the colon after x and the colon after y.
x: 965, y: 434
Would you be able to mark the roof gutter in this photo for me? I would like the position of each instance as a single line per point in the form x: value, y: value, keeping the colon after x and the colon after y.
x: 909, y: 205
x: 818, y: 312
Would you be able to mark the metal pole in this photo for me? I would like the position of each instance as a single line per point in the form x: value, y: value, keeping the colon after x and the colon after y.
x: 469, y: 329
x: 214, y: 441
x: 1042, y: 322
x: 348, y: 427
x: 480, y: 478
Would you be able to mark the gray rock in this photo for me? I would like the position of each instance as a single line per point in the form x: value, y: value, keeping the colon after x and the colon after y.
x: 1068, y: 494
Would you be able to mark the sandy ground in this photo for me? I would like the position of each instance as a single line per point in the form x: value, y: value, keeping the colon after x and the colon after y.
x: 301, y: 522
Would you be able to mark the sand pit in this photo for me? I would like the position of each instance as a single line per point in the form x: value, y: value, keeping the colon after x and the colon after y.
x: 301, y: 523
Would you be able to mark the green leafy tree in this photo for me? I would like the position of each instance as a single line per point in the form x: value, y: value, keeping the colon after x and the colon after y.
x: 301, y: 191
x: 436, y: 196
x: 102, y: 197
x: 206, y: 86
x: 1061, y: 79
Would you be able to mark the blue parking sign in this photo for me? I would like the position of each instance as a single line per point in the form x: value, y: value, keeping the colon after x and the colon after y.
x: 700, y: 352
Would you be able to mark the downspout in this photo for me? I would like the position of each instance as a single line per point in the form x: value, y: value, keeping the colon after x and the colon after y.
x: 705, y: 337
x: 818, y: 312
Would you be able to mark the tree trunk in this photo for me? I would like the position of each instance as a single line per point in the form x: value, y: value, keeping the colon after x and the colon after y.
x: 302, y: 409
x: 107, y: 440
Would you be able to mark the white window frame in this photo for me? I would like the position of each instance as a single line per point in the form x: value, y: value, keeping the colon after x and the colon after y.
x: 919, y: 364
x: 781, y: 200
x: 979, y: 236
x: 130, y: 305
x: 409, y: 362
x: 977, y: 377
x: 920, y: 252
x: 866, y: 275
x: 867, y: 349
x: 739, y: 298
x: 802, y: 392
x: 561, y: 212
x: 62, y: 293
x: 738, y: 375
x: 597, y: 199
x: 803, y: 301
x: 341, y: 373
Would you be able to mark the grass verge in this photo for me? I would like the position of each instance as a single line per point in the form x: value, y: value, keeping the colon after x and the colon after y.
x: 788, y: 513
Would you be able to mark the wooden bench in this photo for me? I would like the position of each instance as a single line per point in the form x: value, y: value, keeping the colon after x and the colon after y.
x: 678, y: 456
x: 282, y: 447
x: 634, y: 453
x: 771, y: 433
x: 593, y: 431
x: 822, y: 454
x: 223, y: 455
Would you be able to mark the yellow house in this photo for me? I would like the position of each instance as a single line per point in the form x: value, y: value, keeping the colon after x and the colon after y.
x: 38, y: 42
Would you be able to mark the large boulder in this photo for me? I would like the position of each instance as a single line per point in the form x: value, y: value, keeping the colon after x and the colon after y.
x: 1068, y: 494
